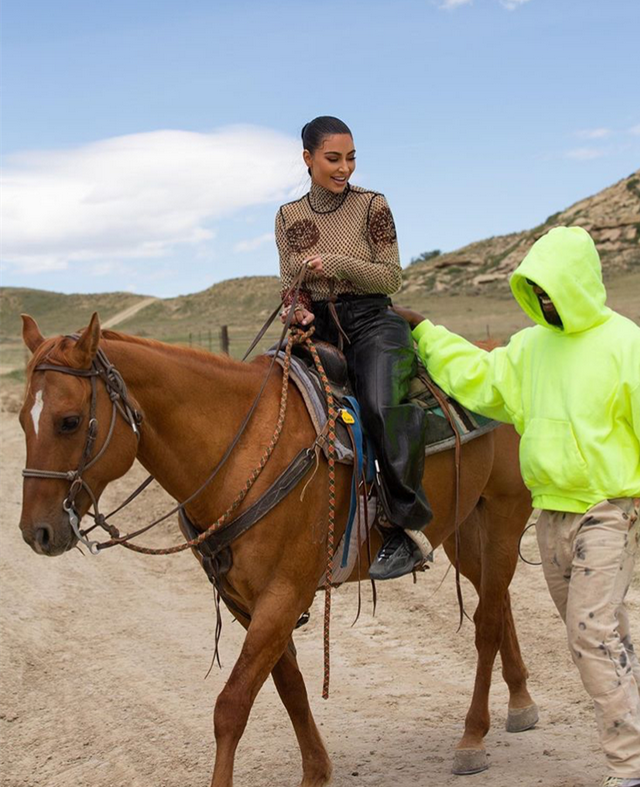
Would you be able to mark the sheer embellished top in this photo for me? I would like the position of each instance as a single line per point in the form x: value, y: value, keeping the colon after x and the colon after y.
x: 353, y: 232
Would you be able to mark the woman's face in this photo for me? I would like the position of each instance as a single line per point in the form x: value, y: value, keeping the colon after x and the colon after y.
x: 333, y: 163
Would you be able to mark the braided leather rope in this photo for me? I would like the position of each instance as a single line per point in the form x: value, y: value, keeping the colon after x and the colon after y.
x: 297, y: 337
x: 255, y: 473
x: 331, y: 440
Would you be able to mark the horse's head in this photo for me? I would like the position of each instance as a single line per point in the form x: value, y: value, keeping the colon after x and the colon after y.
x: 76, y: 441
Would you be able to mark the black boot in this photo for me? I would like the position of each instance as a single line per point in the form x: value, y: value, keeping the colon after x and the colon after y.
x: 398, y: 556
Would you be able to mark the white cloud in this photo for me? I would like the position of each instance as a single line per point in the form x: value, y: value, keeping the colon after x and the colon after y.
x: 104, y: 268
x: 254, y: 243
x: 449, y: 4
x: 585, y: 154
x: 139, y: 195
x: 594, y: 133
x: 635, y: 130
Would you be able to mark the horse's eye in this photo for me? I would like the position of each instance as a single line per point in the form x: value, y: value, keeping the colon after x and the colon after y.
x: 70, y: 424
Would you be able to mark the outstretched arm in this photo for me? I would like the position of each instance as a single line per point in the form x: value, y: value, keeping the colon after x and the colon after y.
x: 482, y: 381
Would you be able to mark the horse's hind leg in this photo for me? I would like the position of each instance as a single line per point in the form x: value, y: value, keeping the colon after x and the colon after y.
x: 272, y: 621
x: 316, y: 766
x: 523, y: 712
x: 488, y: 555
x: 470, y: 755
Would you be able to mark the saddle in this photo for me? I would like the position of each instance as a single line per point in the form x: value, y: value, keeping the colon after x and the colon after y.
x: 423, y: 392
x: 333, y: 361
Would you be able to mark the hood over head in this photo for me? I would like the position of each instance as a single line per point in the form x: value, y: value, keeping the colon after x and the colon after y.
x: 565, y: 264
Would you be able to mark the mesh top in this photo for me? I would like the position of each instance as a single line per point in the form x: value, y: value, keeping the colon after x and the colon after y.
x: 353, y: 232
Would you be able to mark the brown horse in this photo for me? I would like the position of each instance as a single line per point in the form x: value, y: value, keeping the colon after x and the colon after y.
x: 192, y: 405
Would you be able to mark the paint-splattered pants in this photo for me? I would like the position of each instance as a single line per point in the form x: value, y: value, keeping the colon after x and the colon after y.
x: 588, y: 562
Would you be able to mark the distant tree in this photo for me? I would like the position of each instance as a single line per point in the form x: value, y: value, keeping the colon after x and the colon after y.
x: 426, y: 255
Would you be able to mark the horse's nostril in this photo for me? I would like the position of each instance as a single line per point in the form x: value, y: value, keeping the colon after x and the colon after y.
x: 43, y: 538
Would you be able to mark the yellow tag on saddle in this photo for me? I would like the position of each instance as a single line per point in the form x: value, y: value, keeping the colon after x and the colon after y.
x: 347, y: 417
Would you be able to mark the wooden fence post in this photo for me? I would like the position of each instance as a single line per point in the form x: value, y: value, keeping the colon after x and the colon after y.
x: 224, y: 339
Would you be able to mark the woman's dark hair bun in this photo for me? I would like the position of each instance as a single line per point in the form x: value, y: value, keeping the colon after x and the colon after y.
x: 314, y: 132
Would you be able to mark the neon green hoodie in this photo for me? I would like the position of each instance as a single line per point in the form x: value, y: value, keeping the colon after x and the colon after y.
x: 572, y: 392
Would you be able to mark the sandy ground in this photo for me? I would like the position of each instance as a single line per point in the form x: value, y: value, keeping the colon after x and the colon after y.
x: 103, y: 663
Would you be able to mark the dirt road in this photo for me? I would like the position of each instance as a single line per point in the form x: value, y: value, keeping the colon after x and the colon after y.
x: 125, y: 314
x: 103, y: 662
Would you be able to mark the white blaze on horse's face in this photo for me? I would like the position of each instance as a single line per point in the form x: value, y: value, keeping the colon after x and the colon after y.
x: 36, y: 411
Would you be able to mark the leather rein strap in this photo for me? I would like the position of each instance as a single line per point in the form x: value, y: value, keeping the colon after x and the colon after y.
x: 225, y: 517
x: 446, y: 409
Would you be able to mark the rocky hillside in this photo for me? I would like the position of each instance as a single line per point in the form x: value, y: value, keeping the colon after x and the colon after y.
x: 612, y: 217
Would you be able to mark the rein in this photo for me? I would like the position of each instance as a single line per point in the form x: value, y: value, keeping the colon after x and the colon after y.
x: 118, y: 540
x: 444, y: 406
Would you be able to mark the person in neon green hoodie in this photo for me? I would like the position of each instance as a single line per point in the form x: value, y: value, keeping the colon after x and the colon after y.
x: 570, y: 385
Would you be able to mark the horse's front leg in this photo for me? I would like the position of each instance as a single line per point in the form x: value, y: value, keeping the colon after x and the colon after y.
x: 272, y: 621
x: 316, y: 765
x: 488, y: 557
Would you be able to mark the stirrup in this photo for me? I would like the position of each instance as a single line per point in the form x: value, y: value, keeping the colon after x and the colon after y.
x: 303, y: 619
x: 423, y: 544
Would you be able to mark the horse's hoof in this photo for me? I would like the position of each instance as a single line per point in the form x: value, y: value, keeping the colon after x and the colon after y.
x: 467, y: 761
x: 521, y: 719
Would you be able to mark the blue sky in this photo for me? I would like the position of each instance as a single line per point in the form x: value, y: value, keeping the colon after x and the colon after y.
x: 148, y: 144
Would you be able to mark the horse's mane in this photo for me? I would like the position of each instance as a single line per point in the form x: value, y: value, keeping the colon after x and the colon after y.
x: 57, y: 350
x: 195, y: 352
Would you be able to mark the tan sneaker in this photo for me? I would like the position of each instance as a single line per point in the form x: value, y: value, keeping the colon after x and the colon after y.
x: 617, y: 781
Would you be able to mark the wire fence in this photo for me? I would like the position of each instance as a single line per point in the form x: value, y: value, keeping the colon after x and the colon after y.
x: 230, y: 340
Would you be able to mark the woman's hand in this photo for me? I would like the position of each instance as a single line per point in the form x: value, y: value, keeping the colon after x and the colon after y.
x: 314, y: 265
x: 413, y: 318
x: 301, y: 316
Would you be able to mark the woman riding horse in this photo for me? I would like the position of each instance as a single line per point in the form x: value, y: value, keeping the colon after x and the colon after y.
x: 347, y: 238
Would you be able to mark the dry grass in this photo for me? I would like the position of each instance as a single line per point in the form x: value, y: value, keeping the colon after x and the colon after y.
x: 244, y: 304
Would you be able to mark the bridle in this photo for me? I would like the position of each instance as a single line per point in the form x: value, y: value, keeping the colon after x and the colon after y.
x: 101, y: 368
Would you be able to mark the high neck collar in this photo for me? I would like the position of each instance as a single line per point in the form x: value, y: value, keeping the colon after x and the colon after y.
x: 322, y: 200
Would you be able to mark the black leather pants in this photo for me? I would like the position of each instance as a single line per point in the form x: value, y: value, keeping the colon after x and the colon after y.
x: 381, y: 363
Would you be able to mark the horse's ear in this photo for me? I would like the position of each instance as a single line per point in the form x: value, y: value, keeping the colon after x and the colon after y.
x: 31, y: 335
x: 87, y: 345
